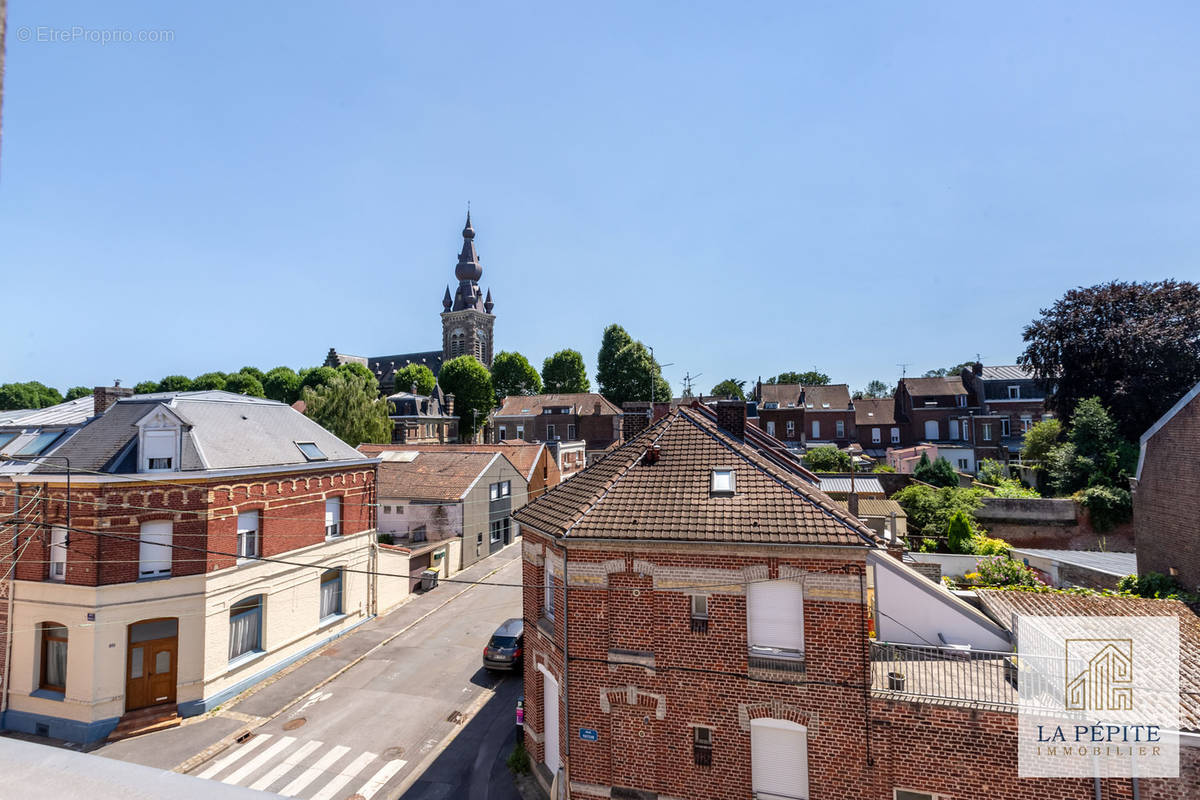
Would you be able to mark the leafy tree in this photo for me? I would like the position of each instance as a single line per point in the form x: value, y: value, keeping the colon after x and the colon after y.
x: 827, y: 459
x: 730, y: 387
x: 245, y: 383
x: 312, y: 377
x: 564, y: 373
x: 1040, y: 439
x: 360, y: 371
x: 512, y: 374
x: 1094, y: 453
x: 469, y: 382
x: 27, y: 395
x: 254, y: 371
x: 930, y: 510
x: 626, y: 369
x: 810, y: 378
x: 210, y: 380
x: 937, y: 473
x: 959, y: 533
x: 282, y: 384
x: 1107, y: 506
x: 350, y: 408
x: 76, y: 392
x: 947, y: 372
x: 409, y: 374
x: 876, y: 388
x: 145, y: 387
x: 1136, y: 346
x: 175, y: 383
x: 991, y: 472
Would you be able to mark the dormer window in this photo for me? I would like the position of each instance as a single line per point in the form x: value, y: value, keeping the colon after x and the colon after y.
x: 1014, y: 392
x: 723, y: 483
x: 962, y: 400
x: 158, y: 445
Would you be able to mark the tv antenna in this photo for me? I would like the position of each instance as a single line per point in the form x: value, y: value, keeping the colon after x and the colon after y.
x: 903, y: 370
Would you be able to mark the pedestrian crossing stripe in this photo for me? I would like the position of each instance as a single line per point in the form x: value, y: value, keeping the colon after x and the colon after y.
x: 283, y: 757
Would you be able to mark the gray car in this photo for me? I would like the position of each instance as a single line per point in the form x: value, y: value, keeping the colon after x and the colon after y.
x: 506, y: 646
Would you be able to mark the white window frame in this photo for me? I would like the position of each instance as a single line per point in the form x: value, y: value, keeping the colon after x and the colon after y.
x: 249, y: 534
x: 699, y: 603
x: 876, y: 436
x: 502, y: 432
x: 987, y: 431
x: 1026, y: 423
x: 548, y: 607
x: 1014, y: 392
x: 723, y: 482
x: 767, y: 763
x: 58, y: 554
x: 791, y: 428
x: 550, y: 431
x: 770, y: 427
x: 154, y: 549
x: 895, y: 436
x: 169, y: 437
x: 937, y: 429
x: 333, y: 517
x: 570, y: 432
x: 1005, y: 427
x: 954, y: 429
x: 961, y: 400
x: 329, y: 577
x: 840, y: 427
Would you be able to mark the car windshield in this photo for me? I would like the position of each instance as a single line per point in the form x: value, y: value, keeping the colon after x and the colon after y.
x: 504, y: 641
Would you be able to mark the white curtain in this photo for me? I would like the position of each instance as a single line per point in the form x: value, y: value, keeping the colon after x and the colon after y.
x: 245, y: 632
x: 331, y: 596
x: 56, y: 656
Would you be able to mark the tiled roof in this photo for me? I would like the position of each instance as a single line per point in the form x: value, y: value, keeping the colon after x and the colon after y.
x: 934, y: 387
x: 523, y: 455
x: 1003, y: 604
x: 833, y: 396
x: 782, y: 393
x: 532, y: 405
x: 626, y: 497
x: 876, y: 507
x: 432, y: 475
x: 1011, y: 372
x: 875, y: 411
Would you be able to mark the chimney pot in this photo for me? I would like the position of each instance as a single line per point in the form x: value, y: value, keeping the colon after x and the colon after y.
x: 635, y: 419
x: 731, y: 417
x: 104, y: 396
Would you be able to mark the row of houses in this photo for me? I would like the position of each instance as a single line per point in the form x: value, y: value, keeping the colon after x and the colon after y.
x: 164, y: 552
x: 702, y: 620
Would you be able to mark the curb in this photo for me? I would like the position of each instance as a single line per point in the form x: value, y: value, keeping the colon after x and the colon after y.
x: 215, y: 749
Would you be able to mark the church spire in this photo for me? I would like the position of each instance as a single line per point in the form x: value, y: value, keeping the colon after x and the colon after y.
x: 468, y: 270
x: 488, y: 305
x: 447, y: 301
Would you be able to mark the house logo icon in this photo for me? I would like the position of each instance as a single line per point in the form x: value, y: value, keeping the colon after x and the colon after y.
x: 1099, y: 674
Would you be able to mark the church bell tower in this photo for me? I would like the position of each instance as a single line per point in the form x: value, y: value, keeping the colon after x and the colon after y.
x: 467, y: 318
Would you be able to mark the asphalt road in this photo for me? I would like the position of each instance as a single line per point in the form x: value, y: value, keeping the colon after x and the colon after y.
x: 382, y: 725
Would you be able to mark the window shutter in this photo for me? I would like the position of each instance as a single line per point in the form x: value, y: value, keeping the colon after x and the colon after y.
x: 776, y: 611
x: 550, y: 720
x: 154, y: 553
x: 159, y: 444
x: 778, y: 759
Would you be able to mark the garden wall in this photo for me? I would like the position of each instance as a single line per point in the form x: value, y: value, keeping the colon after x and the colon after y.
x: 1049, y: 523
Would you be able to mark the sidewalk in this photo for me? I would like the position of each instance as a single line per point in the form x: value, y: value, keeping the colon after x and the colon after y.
x: 201, y: 738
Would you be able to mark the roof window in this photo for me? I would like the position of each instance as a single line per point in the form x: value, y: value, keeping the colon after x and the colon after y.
x: 311, y: 451
x: 37, y: 444
x: 723, y: 483
x: 5, y: 438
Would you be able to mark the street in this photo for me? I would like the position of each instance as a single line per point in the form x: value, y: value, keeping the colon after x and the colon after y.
x: 381, y: 725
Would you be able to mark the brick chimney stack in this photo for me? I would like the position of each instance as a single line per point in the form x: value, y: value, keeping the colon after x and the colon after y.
x: 731, y: 417
x: 105, y: 396
x: 450, y: 405
x: 635, y: 419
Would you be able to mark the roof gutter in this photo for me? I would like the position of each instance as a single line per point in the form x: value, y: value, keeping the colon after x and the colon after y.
x: 200, y: 475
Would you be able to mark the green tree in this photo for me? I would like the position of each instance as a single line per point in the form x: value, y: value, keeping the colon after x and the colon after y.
x: 627, y: 371
x: 512, y: 374
x: 1040, y: 439
x: 1094, y: 454
x: 244, y: 383
x: 948, y: 372
x: 991, y: 472
x: 810, y: 378
x: 257, y: 373
x: 410, y: 374
x: 876, y: 388
x: 350, y: 408
x: 360, y: 371
x: 730, y: 387
x: 564, y: 373
x: 827, y: 459
x: 209, y: 380
x: 175, y: 383
x: 76, y: 392
x: 146, y: 387
x: 30, y: 394
x: 469, y: 382
x: 312, y: 377
x: 959, y: 533
x: 1136, y: 346
x: 282, y: 384
x: 930, y: 509
x: 937, y: 473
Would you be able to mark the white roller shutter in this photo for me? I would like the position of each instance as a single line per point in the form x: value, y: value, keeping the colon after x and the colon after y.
x: 931, y: 429
x: 550, y: 719
x: 155, y: 551
x: 776, y: 614
x: 778, y: 759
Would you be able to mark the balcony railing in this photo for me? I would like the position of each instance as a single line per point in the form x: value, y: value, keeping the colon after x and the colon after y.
x: 776, y: 658
x: 949, y: 674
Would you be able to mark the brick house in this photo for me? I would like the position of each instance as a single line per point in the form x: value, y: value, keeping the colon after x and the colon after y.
x: 582, y: 417
x: 828, y: 415
x: 1166, y: 494
x: 140, y: 590
x: 423, y: 419
x: 875, y: 427
x: 1009, y: 397
x: 943, y: 411
x: 781, y: 412
x: 714, y: 593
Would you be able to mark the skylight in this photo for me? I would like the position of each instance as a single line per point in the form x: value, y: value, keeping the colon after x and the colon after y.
x: 5, y: 438
x: 722, y: 482
x: 39, y: 443
x: 311, y: 451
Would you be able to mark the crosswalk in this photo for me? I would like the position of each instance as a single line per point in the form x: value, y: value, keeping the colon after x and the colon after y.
x: 308, y: 770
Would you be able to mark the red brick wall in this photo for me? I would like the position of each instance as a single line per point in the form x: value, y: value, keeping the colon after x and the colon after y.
x: 292, y: 516
x: 1166, y: 503
x: 781, y: 417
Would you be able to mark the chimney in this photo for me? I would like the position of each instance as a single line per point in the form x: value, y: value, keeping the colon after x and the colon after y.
x: 635, y: 419
x: 852, y: 503
x: 105, y: 396
x: 449, y: 405
x: 731, y: 417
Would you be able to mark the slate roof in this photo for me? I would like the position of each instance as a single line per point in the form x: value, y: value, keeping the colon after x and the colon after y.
x: 934, y: 387
x: 432, y: 475
x: 1003, y: 604
x: 523, y: 455
x: 221, y: 430
x: 1009, y: 372
x: 875, y: 411
x: 833, y: 397
x: 782, y: 393
x: 626, y: 497
x: 532, y: 404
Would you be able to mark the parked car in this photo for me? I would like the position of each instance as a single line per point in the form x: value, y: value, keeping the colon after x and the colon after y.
x: 506, y: 646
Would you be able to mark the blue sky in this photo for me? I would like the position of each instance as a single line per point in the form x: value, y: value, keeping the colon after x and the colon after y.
x: 749, y: 188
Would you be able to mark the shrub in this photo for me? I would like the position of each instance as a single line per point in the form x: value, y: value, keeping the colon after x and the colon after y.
x: 958, y: 533
x: 988, y: 546
x: 930, y: 510
x: 1152, y: 584
x: 386, y: 538
x: 1107, y: 506
x: 991, y: 472
x: 884, y: 468
x: 827, y: 459
x: 1011, y: 487
x: 518, y: 759
x: 1003, y: 571
x: 937, y: 473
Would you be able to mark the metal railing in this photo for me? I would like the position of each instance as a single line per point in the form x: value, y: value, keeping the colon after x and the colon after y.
x: 777, y: 659
x: 950, y: 674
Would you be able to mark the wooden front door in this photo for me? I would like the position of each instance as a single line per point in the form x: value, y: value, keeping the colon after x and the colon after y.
x: 150, y: 666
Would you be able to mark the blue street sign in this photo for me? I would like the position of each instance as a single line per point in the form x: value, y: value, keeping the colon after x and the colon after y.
x: 589, y: 734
